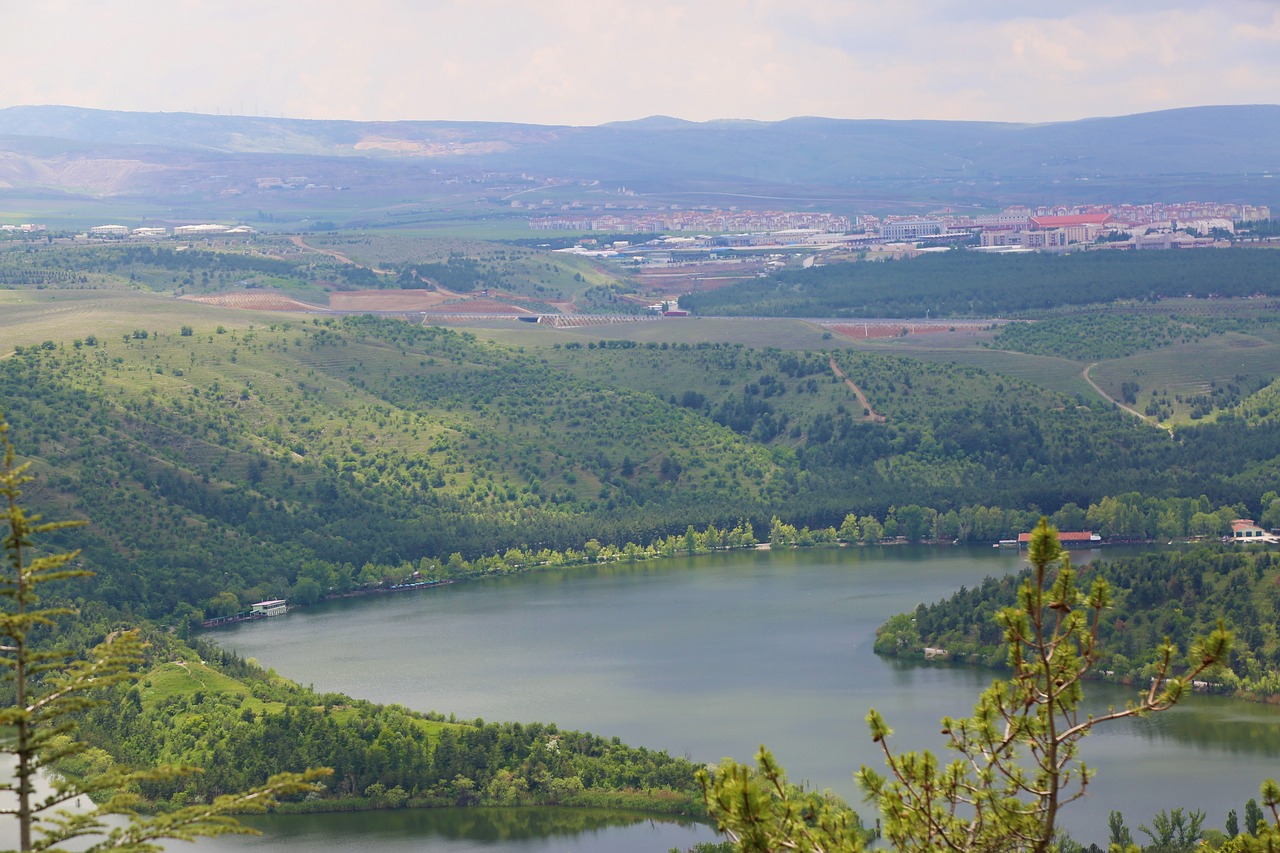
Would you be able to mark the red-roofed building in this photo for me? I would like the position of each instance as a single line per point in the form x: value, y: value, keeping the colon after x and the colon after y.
x: 1065, y: 230
x: 1244, y: 530
x: 1069, y: 539
x: 1049, y: 233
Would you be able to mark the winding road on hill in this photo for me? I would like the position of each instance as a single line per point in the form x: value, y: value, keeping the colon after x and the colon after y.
x: 1139, y: 415
x: 297, y: 240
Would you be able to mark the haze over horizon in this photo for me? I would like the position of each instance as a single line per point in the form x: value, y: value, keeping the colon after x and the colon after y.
x: 570, y: 62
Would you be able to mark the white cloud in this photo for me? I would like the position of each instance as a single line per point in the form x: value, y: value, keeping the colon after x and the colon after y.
x: 576, y: 62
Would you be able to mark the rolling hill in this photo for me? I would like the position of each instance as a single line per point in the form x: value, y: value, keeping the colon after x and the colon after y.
x: 1220, y: 151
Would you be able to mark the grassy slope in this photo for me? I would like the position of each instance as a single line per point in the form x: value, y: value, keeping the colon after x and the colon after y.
x: 522, y: 271
x: 29, y: 317
x: 1196, y: 368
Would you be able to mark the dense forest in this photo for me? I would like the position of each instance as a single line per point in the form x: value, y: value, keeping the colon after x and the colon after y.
x: 1178, y: 595
x: 968, y: 284
x: 320, y: 448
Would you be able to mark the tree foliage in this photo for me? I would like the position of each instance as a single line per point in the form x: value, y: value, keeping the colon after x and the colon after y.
x: 53, y: 685
x: 990, y: 285
x: 1167, y: 596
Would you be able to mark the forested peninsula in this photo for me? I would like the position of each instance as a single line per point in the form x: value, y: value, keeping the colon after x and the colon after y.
x: 1173, y: 595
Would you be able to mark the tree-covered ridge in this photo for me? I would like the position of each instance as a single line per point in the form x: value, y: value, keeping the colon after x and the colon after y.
x: 307, y: 270
x: 369, y: 441
x: 164, y: 269
x: 1263, y: 406
x: 1129, y: 517
x: 1096, y: 336
x: 969, y: 284
x: 954, y: 435
x: 1177, y: 595
x: 72, y: 704
x: 337, y: 445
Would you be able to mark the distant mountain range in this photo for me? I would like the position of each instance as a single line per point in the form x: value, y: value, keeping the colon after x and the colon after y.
x: 1221, y: 153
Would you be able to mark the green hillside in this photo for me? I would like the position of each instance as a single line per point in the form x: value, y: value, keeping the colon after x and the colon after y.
x: 346, y: 443
x: 336, y: 451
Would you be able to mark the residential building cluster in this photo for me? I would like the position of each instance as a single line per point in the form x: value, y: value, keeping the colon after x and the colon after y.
x: 1012, y: 229
x: 698, y: 219
x: 1060, y: 228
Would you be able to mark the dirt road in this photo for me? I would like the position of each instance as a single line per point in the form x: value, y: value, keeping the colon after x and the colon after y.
x: 872, y: 414
x: 1139, y: 415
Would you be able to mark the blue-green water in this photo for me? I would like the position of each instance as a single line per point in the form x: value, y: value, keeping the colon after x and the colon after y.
x: 708, y: 657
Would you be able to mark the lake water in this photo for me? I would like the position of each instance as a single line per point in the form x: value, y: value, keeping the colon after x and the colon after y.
x: 709, y: 657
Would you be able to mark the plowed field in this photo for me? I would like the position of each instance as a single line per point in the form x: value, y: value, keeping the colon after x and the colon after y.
x: 386, y: 300
x: 257, y: 302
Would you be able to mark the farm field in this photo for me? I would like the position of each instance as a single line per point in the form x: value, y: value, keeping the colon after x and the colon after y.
x: 257, y: 301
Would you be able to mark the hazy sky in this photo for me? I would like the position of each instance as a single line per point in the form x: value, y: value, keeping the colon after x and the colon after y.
x: 577, y: 62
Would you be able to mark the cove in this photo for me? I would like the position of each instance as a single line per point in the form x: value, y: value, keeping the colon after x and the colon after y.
x: 712, y: 655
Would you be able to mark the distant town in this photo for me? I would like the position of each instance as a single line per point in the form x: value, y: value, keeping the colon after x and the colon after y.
x: 700, y: 230
x: 1125, y: 226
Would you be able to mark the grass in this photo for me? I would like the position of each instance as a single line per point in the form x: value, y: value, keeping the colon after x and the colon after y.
x: 760, y: 334
x: 962, y: 347
x: 187, y: 678
x: 1245, y: 360
x: 184, y: 678
x: 29, y: 317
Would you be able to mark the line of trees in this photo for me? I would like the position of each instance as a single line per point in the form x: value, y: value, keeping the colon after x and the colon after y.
x: 981, y: 285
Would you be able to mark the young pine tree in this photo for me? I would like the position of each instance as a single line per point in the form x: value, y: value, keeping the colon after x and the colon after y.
x: 51, y: 685
x: 1016, y: 763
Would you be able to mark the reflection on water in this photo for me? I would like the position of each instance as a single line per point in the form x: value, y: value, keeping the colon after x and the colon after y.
x: 456, y: 830
x: 1217, y: 726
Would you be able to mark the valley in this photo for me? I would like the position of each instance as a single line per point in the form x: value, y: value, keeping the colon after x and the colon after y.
x: 304, y: 415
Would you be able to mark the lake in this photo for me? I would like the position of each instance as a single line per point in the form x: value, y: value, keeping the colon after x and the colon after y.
x: 707, y: 657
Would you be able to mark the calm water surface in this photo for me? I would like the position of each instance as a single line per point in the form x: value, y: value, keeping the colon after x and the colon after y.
x: 709, y: 657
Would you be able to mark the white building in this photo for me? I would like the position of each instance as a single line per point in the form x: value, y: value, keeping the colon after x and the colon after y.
x: 199, y: 230
x: 909, y: 229
x: 275, y: 607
